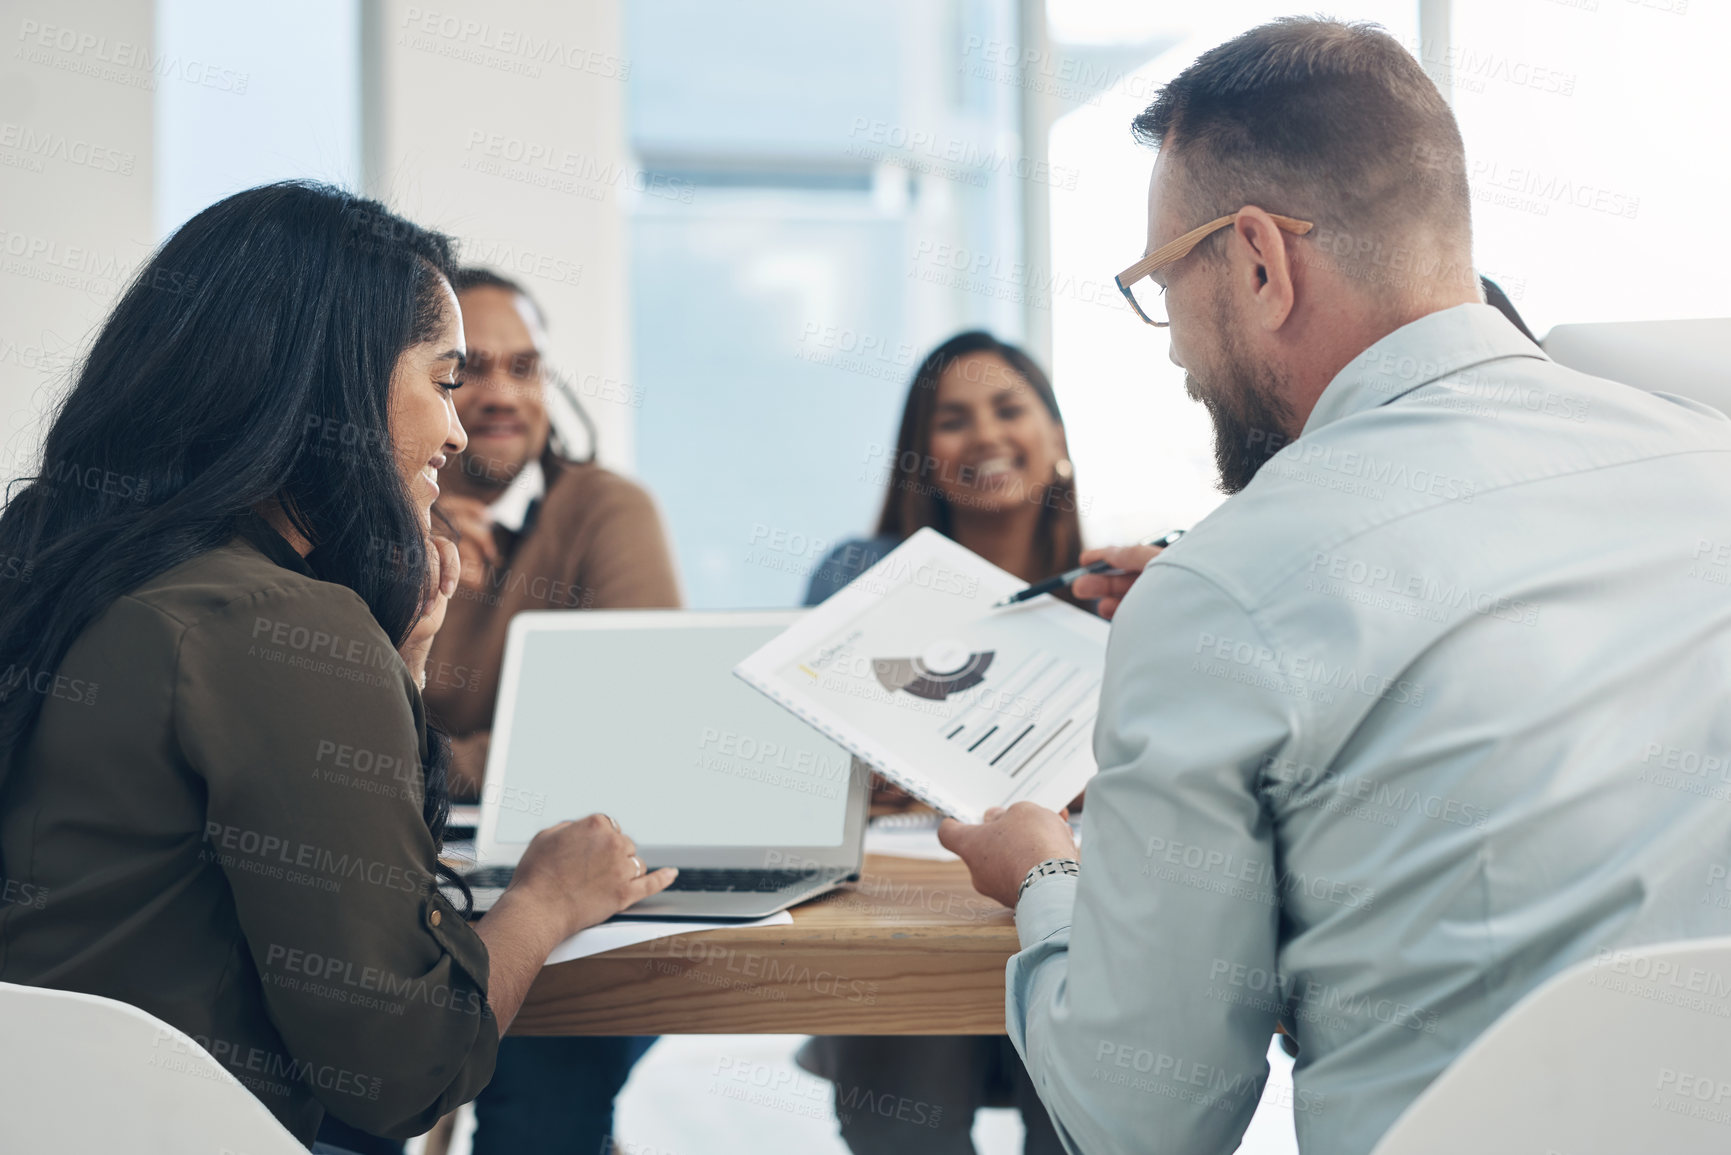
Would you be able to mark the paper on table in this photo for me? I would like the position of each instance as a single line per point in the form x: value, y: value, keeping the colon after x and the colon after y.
x: 907, y: 844
x: 916, y: 836
x: 912, y: 835
x: 629, y: 932
x: 964, y: 706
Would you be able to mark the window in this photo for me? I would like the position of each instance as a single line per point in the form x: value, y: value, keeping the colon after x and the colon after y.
x: 259, y: 93
x: 1144, y: 452
x: 1593, y: 132
x: 827, y: 193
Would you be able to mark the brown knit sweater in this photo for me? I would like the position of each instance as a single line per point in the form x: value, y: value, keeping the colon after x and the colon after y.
x: 595, y: 542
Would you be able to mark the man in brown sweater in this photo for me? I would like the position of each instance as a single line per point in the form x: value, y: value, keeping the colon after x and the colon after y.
x: 539, y: 531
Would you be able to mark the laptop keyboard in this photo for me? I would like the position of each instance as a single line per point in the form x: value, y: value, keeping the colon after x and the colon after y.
x: 740, y: 881
x: 690, y: 878
x: 498, y: 877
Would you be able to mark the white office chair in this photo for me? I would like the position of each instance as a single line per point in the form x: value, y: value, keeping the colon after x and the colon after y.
x: 1630, y: 1053
x: 85, y: 1074
x: 1682, y: 357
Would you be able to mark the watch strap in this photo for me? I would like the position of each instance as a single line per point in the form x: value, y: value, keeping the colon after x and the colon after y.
x: 1048, y: 867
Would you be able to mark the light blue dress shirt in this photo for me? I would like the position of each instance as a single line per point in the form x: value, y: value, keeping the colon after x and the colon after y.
x: 1439, y: 705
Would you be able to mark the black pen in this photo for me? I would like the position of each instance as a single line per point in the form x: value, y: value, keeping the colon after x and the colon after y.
x: 1064, y: 579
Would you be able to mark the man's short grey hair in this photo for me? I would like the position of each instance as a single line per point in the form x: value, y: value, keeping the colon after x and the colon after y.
x: 1332, y: 122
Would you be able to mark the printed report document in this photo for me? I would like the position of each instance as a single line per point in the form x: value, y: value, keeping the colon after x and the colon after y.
x: 964, y: 706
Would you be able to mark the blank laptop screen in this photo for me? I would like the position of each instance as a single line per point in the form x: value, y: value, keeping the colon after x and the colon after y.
x: 650, y: 725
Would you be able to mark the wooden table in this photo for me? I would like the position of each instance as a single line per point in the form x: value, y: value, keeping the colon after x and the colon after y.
x: 910, y: 949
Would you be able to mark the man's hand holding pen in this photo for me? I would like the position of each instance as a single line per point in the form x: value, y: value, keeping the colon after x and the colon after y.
x: 1109, y: 588
x: 1111, y: 562
x: 1001, y: 850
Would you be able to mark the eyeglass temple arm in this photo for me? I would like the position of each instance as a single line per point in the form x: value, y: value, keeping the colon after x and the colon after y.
x: 1178, y: 246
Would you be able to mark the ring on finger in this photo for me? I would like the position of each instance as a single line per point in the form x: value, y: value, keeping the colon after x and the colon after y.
x: 615, y: 823
x: 641, y: 869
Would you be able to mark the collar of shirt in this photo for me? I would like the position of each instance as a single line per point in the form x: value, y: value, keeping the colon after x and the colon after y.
x: 274, y: 545
x: 1428, y: 349
x: 511, y: 508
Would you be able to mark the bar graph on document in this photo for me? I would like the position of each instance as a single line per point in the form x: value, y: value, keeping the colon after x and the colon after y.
x: 1032, y: 713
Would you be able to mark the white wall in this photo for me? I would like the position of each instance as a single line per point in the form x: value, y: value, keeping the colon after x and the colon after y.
x: 503, y: 124
x: 75, y: 190
x: 120, y: 118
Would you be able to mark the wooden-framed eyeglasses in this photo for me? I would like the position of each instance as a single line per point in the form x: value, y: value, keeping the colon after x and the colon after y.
x: 1152, y: 307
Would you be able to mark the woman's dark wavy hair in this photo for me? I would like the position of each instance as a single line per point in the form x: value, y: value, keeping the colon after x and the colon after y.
x: 263, y: 322
x: 914, y: 500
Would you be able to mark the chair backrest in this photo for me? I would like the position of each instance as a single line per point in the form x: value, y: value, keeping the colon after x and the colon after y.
x: 1682, y: 357
x: 1628, y: 1052
x: 82, y: 1073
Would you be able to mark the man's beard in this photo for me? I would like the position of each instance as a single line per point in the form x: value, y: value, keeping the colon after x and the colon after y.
x: 1249, y: 417
x: 489, y: 473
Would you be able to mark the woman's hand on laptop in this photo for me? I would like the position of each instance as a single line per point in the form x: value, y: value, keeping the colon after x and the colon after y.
x: 1107, y: 587
x: 570, y: 877
x: 584, y: 872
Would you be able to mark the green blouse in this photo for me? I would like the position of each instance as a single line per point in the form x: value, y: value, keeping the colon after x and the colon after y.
x: 218, y: 819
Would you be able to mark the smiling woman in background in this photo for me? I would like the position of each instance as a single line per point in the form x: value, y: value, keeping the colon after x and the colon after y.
x: 981, y: 457
x: 217, y: 766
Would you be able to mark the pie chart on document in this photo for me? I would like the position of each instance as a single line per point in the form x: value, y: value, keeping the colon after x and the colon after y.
x: 943, y: 668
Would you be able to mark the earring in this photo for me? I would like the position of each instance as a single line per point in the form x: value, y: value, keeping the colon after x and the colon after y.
x: 1063, y: 470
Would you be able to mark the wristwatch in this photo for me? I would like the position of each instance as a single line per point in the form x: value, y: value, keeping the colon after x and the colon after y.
x: 1050, y: 866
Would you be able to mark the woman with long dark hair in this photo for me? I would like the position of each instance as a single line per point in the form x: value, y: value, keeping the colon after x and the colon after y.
x: 981, y: 457
x: 216, y: 772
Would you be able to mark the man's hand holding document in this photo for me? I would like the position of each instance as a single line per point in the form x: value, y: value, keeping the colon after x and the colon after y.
x: 966, y: 706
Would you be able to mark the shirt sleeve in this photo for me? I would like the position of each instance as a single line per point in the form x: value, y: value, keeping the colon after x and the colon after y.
x: 296, y: 710
x: 1124, y: 1000
x: 839, y: 567
x: 625, y: 562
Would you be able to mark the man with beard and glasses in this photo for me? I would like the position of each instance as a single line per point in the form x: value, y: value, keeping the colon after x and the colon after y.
x: 1393, y: 735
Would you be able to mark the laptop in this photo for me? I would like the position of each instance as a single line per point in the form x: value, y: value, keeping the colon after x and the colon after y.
x: 637, y: 714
